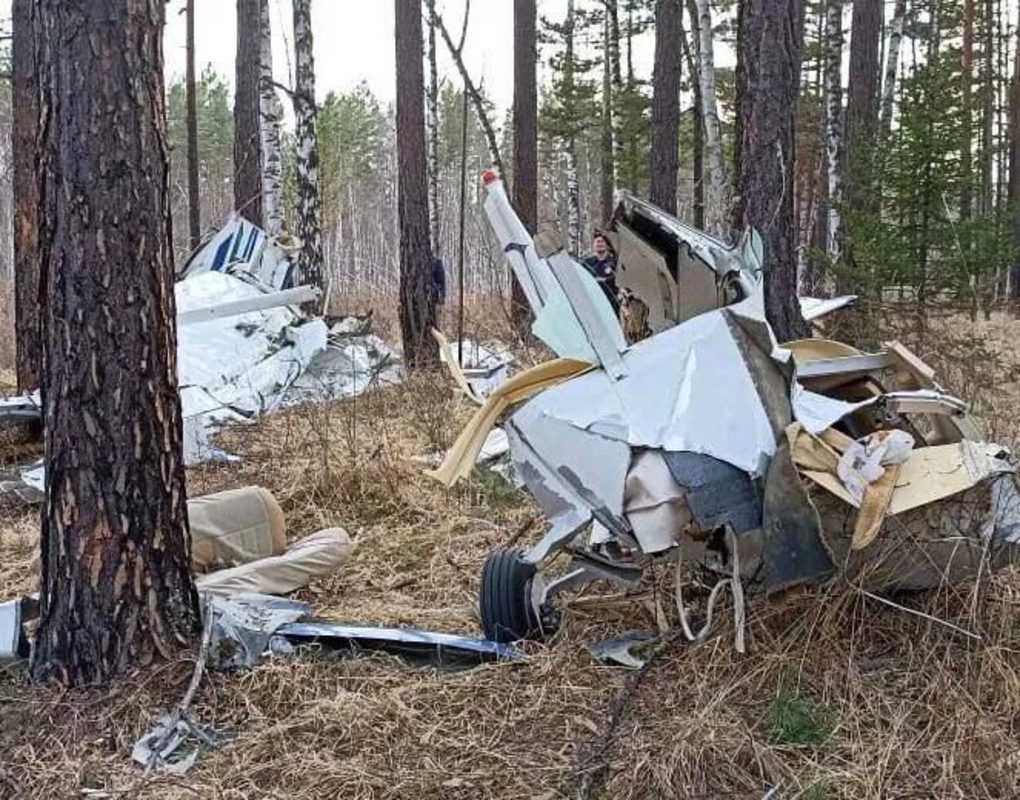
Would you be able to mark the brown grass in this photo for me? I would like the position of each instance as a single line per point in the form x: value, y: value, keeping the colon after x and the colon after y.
x: 837, y: 697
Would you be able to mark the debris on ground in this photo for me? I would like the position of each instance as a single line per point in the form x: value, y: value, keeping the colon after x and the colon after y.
x: 710, y: 443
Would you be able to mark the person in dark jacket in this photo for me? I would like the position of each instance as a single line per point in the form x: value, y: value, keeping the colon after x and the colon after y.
x: 602, y: 266
x: 438, y: 282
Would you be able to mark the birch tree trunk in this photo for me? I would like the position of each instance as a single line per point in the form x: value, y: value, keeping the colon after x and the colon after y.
x: 269, y: 128
x: 665, y: 143
x: 892, y: 62
x: 24, y: 133
x: 417, y: 303
x: 770, y: 41
x: 717, y: 199
x: 247, y: 138
x: 309, y: 229
x: 834, y: 125
x: 116, y: 573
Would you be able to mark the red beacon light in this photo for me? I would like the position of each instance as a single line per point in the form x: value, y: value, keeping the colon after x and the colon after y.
x: 489, y: 177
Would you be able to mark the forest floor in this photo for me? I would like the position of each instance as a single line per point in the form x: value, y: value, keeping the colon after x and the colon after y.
x: 837, y: 696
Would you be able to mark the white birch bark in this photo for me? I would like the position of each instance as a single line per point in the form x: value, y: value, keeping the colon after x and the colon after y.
x: 892, y: 62
x: 834, y: 121
x: 310, y: 268
x: 270, y: 112
x: 716, y: 180
x: 573, y: 198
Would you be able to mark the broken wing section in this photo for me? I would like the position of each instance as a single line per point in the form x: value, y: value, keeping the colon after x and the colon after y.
x: 572, y: 315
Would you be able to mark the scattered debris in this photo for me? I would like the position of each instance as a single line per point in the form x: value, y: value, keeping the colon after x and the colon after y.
x: 625, y: 650
x: 710, y: 441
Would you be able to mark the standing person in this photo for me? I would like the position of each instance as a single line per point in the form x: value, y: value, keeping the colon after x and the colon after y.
x: 438, y: 287
x: 602, y: 266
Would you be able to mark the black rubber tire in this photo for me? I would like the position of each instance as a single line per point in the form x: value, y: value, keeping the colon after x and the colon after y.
x: 507, y: 615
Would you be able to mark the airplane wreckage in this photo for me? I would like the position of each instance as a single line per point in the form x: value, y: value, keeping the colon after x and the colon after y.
x: 708, y: 442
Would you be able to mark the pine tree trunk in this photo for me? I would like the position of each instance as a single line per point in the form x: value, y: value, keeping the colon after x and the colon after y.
x: 247, y: 136
x: 570, y: 144
x: 690, y: 48
x: 432, y: 121
x: 417, y: 305
x: 717, y: 198
x: 862, y: 104
x: 988, y: 113
x: 608, y: 154
x: 525, y: 184
x: 665, y: 143
x: 116, y: 582
x: 269, y: 127
x: 770, y: 41
x: 834, y: 126
x: 194, y: 203
x: 24, y: 132
x: 892, y: 62
x: 309, y: 230
x: 1014, y: 177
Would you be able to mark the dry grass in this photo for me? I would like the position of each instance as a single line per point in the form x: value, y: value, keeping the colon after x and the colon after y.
x: 837, y: 697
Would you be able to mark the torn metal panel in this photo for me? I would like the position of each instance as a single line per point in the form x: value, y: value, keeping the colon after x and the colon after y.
x: 242, y: 248
x: 288, y: 297
x: 643, y: 272
x: 441, y: 649
x: 812, y: 308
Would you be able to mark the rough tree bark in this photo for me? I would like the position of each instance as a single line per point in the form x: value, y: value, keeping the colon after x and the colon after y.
x: 525, y: 183
x: 770, y: 41
x: 690, y: 54
x: 417, y: 305
x: 1013, y: 189
x: 247, y: 136
x: 862, y: 104
x: 432, y: 121
x: 308, y: 228
x: 833, y: 224
x: 269, y: 129
x: 191, y: 100
x: 24, y: 132
x: 569, y: 143
x: 608, y: 143
x: 665, y: 144
x: 717, y: 195
x: 116, y: 582
x: 892, y: 63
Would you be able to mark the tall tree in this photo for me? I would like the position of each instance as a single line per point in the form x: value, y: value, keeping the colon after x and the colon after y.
x: 308, y: 228
x: 525, y: 138
x: 831, y: 225
x: 892, y: 62
x: 717, y: 189
x: 665, y: 149
x: 770, y: 38
x: 862, y: 104
x: 569, y: 87
x: 1014, y: 175
x: 269, y: 128
x: 24, y: 131
x: 116, y: 581
x: 432, y: 122
x: 417, y: 303
x: 966, y: 110
x: 247, y: 106
x: 194, y: 203
x: 608, y: 143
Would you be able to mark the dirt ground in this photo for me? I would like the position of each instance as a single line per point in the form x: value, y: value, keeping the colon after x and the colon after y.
x: 838, y: 696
